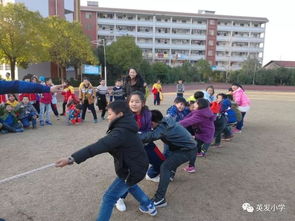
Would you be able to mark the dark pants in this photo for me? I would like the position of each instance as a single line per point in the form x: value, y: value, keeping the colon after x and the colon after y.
x: 220, y: 124
x: 201, y: 147
x: 102, y: 104
x: 37, y: 106
x: 175, y: 159
x: 179, y: 95
x: 240, y: 124
x: 64, y: 107
x: 54, y: 109
x: 16, y: 127
x: 227, y: 131
x: 90, y: 107
x: 157, y: 99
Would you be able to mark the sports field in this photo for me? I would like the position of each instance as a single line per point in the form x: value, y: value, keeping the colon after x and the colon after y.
x: 257, y: 167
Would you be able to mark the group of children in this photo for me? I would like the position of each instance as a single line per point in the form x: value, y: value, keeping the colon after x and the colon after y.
x: 187, y: 131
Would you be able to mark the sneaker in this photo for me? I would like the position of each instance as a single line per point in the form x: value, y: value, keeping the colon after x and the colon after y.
x: 226, y: 139
x: 190, y: 169
x: 120, y: 205
x: 150, y: 209
x: 155, y: 179
x: 62, y: 114
x: 95, y: 121
x: 48, y: 122
x: 42, y: 123
x: 236, y: 131
x: 159, y: 203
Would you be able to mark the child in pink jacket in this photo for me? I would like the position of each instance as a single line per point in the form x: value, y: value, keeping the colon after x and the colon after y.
x: 243, y: 102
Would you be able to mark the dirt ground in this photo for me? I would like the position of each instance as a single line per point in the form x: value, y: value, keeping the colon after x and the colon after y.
x: 257, y: 167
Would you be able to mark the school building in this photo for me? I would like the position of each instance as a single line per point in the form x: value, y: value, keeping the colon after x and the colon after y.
x: 225, y: 41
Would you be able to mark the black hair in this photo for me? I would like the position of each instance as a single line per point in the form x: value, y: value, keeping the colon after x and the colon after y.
x: 202, y: 103
x: 15, y: 98
x: 230, y: 89
x: 230, y: 97
x: 141, y: 97
x: 157, y: 116
x: 222, y: 95
x: 211, y: 86
x: 238, y: 85
x: 178, y: 100
x: 198, y: 94
x: 119, y: 106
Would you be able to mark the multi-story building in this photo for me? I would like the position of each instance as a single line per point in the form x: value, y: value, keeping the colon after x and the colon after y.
x: 67, y: 9
x: 171, y: 37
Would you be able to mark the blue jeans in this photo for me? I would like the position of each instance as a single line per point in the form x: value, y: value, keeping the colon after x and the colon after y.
x: 114, y: 192
x: 26, y: 121
x: 43, y: 108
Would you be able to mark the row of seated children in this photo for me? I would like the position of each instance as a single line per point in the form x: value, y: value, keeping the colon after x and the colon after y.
x: 15, y: 116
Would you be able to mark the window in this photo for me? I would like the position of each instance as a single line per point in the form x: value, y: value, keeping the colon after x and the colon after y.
x: 212, y: 22
x: 211, y: 42
x: 211, y: 32
x: 210, y: 53
x: 7, y: 67
x: 1, y: 67
x: 88, y: 15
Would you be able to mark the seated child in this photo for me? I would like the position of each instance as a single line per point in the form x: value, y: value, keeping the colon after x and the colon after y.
x: 27, y: 112
x: 12, y: 100
x: 9, y: 121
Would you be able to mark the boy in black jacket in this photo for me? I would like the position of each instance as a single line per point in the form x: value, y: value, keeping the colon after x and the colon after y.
x: 130, y: 159
x: 181, y: 146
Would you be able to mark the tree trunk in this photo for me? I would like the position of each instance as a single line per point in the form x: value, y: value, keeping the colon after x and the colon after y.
x: 12, y: 68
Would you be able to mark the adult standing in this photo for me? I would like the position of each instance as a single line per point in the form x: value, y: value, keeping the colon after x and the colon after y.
x: 86, y: 96
x: 133, y: 82
x: 243, y: 102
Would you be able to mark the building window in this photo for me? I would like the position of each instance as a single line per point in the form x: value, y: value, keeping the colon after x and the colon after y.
x: 212, y: 22
x: 210, y: 53
x: 88, y: 15
x: 1, y: 67
x: 211, y: 32
x: 211, y: 42
x: 7, y: 67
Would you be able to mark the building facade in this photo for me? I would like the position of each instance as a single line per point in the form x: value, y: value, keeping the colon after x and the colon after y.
x: 67, y: 9
x: 173, y: 38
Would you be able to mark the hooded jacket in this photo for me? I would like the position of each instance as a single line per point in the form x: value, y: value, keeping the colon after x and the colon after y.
x: 241, y: 98
x: 172, y: 134
x: 202, y: 122
x: 122, y: 142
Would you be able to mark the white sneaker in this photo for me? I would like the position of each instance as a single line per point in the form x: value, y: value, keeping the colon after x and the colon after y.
x: 120, y: 205
x: 155, y: 179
